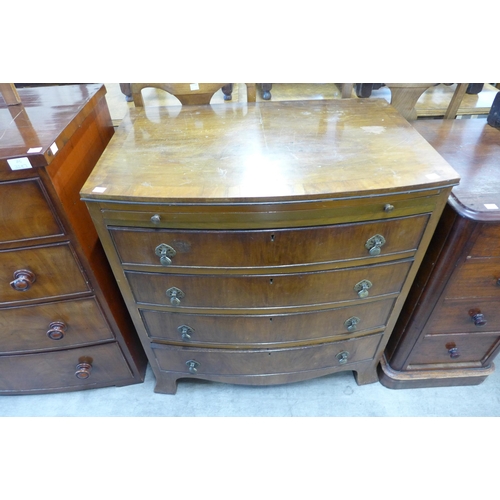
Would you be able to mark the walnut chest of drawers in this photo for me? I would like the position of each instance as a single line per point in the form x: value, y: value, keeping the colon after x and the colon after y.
x: 449, y: 329
x: 266, y: 243
x: 63, y: 323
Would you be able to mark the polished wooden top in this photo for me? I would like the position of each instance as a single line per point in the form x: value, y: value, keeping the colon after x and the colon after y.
x: 46, y: 116
x: 251, y: 152
x: 472, y: 147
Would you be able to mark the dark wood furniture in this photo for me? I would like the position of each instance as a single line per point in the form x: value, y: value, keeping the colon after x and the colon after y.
x: 63, y: 323
x: 266, y: 243
x: 449, y: 329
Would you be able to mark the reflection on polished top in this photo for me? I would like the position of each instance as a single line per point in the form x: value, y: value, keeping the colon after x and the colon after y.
x: 472, y: 147
x: 46, y: 116
x: 250, y: 152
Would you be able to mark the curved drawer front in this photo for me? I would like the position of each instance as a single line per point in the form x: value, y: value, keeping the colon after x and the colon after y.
x: 476, y: 278
x: 25, y: 212
x: 466, y: 316
x: 260, y: 330
x: 253, y: 291
x: 57, y: 370
x: 264, y: 248
x: 52, y: 326
x: 265, y: 361
x: 454, y: 349
x: 54, y: 272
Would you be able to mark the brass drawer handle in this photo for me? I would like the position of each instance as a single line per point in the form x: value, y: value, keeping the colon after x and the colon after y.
x: 374, y: 244
x: 362, y: 288
x: 192, y: 365
x: 185, y: 332
x: 56, y: 330
x: 352, y: 323
x: 23, y: 279
x: 175, y: 295
x: 477, y: 317
x: 342, y: 357
x: 165, y: 252
x: 452, y: 350
x: 83, y: 370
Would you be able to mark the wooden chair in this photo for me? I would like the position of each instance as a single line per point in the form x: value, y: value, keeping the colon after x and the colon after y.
x: 188, y: 93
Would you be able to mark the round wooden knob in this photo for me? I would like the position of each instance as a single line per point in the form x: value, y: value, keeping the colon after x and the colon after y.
x: 23, y: 279
x: 452, y: 350
x: 477, y: 317
x: 83, y: 370
x: 56, y: 330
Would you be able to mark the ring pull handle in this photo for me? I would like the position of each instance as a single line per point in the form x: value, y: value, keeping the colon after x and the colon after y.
x: 374, y: 244
x: 165, y: 252
x: 477, y: 317
x: 23, y: 279
x: 342, y: 357
x: 83, y: 370
x: 56, y: 330
x: 452, y: 350
x: 362, y: 288
x: 352, y: 323
x: 185, y: 332
x: 192, y: 365
x: 175, y: 295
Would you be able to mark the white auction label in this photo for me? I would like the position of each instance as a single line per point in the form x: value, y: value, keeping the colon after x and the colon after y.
x: 194, y: 86
x: 491, y: 206
x: 19, y: 163
x: 34, y: 150
x: 99, y: 190
x: 54, y: 148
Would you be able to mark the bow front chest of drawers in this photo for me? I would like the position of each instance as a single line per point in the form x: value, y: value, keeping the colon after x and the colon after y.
x: 266, y: 243
x: 63, y: 323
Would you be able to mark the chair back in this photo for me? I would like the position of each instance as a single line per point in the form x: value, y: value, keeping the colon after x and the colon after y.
x: 187, y: 93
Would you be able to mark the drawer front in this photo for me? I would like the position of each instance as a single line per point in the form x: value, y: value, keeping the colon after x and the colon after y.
x: 52, y: 326
x: 32, y: 216
x: 259, y: 330
x: 465, y: 316
x: 265, y: 361
x: 280, y: 247
x: 488, y: 242
x: 464, y: 348
x: 54, y: 272
x: 476, y: 278
x: 56, y: 370
x: 253, y: 291
x: 270, y: 215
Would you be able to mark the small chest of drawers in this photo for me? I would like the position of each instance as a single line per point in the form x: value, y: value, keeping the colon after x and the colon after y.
x: 63, y: 324
x: 449, y: 329
x: 266, y: 243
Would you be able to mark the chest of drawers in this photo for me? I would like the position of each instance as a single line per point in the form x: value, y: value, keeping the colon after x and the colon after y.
x: 449, y: 329
x: 63, y: 323
x: 266, y: 243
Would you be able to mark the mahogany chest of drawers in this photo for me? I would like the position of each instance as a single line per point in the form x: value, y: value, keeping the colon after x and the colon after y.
x: 449, y: 329
x: 63, y: 323
x: 266, y: 243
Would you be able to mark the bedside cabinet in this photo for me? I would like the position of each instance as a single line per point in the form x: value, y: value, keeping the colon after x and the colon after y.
x: 449, y: 329
x: 63, y: 323
x: 266, y: 243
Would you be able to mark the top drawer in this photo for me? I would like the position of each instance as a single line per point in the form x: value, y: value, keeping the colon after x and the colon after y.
x: 265, y: 248
x: 488, y: 242
x: 25, y: 212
